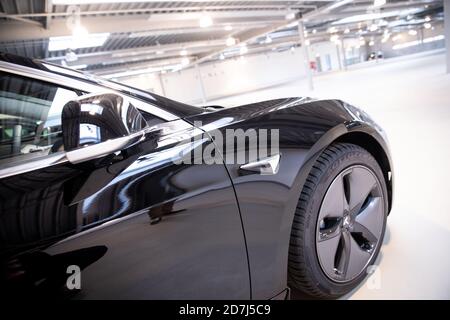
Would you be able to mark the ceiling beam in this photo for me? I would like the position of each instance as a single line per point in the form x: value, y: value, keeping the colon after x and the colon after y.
x: 48, y: 10
x: 20, y: 19
x: 14, y: 30
x: 254, y: 34
x: 164, y: 10
x: 156, y: 51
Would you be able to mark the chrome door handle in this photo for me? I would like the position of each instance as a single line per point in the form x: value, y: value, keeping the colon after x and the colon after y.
x: 265, y: 166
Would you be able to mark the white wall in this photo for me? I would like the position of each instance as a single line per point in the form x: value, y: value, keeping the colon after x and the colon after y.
x: 149, y: 82
x: 323, y: 50
x: 224, y: 78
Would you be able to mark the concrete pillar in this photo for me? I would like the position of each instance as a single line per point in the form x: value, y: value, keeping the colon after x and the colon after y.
x: 161, y: 83
x: 301, y: 33
x: 447, y: 32
x: 200, y: 80
x: 344, y: 55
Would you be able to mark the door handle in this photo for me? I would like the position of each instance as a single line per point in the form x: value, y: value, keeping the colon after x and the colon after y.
x: 265, y: 166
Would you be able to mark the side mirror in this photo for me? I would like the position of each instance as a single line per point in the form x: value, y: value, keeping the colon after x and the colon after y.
x: 94, y: 126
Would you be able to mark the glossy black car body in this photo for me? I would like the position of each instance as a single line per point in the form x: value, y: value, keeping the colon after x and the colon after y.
x: 141, y: 226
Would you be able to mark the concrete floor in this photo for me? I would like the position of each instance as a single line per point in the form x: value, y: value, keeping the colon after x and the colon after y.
x: 410, y: 99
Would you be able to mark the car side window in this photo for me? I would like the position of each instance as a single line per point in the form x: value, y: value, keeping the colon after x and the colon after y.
x: 30, y: 117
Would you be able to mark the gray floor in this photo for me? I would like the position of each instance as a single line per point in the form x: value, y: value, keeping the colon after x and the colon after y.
x: 410, y: 99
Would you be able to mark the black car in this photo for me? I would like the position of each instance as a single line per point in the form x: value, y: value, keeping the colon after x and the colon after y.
x: 105, y: 194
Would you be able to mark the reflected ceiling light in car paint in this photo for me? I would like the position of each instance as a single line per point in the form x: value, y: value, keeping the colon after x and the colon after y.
x: 230, y: 41
x: 379, y: 3
x: 205, y: 21
x: 159, y: 52
x: 427, y: 25
x: 427, y: 19
x: 183, y: 52
x: 347, y: 30
x: 314, y: 31
x: 412, y: 32
x: 77, y: 42
x: 221, y: 56
x: 268, y: 39
x: 228, y: 28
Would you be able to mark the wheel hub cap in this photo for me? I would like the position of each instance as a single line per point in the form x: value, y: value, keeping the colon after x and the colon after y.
x: 350, y: 223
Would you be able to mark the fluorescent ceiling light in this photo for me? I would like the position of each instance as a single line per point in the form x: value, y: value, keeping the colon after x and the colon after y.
x: 228, y: 28
x: 183, y: 52
x: 375, y: 16
x: 427, y: 25
x: 432, y: 39
x: 243, y: 49
x: 184, y: 61
x: 417, y: 42
x: 230, y: 41
x: 205, y: 21
x: 290, y: 16
x: 379, y: 3
x: 78, y: 66
x: 69, y: 2
x: 334, y: 38
x: 73, y: 42
x: 332, y: 30
x: 412, y: 32
x: 373, y: 27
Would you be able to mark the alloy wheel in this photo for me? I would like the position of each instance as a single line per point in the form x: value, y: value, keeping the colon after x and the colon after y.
x: 350, y: 223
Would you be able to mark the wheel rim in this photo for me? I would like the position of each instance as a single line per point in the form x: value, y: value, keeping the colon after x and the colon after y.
x: 350, y: 223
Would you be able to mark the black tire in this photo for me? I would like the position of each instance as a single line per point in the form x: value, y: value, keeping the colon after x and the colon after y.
x: 305, y: 272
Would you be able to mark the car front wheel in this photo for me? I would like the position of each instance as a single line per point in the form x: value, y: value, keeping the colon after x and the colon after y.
x: 339, y: 222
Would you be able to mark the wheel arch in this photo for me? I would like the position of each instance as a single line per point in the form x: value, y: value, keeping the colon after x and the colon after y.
x: 373, y: 146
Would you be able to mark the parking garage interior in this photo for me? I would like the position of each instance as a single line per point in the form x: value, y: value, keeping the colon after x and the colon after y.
x: 389, y: 57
